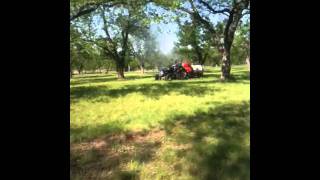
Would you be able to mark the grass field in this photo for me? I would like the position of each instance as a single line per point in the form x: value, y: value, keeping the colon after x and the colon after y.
x: 140, y: 128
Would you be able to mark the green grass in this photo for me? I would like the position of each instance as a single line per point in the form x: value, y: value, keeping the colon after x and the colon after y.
x: 181, y: 129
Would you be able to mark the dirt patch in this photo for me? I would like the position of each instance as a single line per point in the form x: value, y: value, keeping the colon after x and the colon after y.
x: 106, y: 142
x: 109, y: 154
x: 157, y: 135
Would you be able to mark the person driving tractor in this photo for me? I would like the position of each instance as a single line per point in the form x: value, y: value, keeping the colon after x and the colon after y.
x: 186, y: 64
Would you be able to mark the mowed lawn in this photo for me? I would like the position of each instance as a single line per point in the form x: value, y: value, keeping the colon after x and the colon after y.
x: 140, y: 128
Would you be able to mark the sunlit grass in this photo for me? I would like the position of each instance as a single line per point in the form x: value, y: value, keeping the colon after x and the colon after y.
x: 102, y: 105
x: 136, y: 110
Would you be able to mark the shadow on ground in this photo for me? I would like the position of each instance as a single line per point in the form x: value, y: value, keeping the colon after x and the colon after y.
x: 88, y: 132
x: 82, y: 77
x: 218, y: 148
x: 237, y: 76
x: 218, y: 139
x: 105, y: 78
x: 114, y: 156
x: 151, y: 90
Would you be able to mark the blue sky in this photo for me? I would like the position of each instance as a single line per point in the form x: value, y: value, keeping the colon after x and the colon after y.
x: 166, y: 37
x: 166, y: 34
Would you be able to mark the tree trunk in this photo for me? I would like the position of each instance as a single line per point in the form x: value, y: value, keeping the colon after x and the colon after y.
x: 225, y: 65
x: 248, y: 62
x: 142, y: 68
x: 120, y: 73
x: 80, y: 69
x: 108, y: 67
x: 120, y: 69
x: 123, y: 54
x: 70, y: 71
x: 204, y: 59
x: 230, y: 28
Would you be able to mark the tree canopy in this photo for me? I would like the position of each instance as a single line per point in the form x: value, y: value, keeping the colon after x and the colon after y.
x: 210, y: 32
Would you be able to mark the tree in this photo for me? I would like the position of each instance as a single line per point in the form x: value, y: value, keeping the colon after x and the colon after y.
x: 233, y: 10
x: 118, y: 25
x: 124, y: 21
x: 230, y: 28
x: 80, y: 51
x: 193, y: 42
x: 79, y: 8
x: 146, y: 49
x: 240, y: 47
x: 245, y: 39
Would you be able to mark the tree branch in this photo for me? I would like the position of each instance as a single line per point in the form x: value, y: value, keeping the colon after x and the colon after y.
x: 105, y: 28
x: 207, y: 24
x: 196, y: 16
x: 223, y: 11
x: 247, y: 12
x: 90, y: 7
x: 85, y: 9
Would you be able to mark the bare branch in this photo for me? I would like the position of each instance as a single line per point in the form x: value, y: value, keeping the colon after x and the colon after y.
x: 222, y: 11
x: 90, y: 7
x: 105, y: 28
x: 186, y: 10
x: 196, y: 16
x: 83, y: 10
x: 245, y: 13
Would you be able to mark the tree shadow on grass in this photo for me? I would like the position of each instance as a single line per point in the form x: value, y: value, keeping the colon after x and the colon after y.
x: 82, y: 77
x: 240, y: 76
x: 88, y: 93
x: 219, y: 150
x: 87, y: 132
x: 219, y: 141
x: 236, y: 77
x: 105, y: 78
x: 93, y: 80
x: 151, y: 90
x: 117, y: 156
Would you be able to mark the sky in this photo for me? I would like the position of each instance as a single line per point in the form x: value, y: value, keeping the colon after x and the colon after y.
x: 166, y: 37
x: 166, y: 34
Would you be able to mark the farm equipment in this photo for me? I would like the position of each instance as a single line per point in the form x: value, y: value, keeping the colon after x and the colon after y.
x: 178, y: 72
